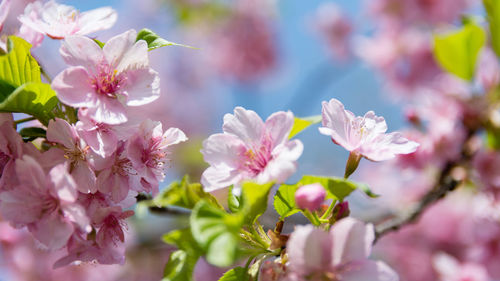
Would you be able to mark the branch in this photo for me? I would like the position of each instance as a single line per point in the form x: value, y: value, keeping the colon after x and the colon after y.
x: 445, y: 184
x: 174, y: 211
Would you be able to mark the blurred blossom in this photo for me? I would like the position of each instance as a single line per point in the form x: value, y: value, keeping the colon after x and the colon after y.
x: 450, y: 269
x: 335, y: 29
x: 244, y: 46
x: 310, y: 196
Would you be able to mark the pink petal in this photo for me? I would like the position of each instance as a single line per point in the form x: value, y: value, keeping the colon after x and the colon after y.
x: 114, y: 184
x: 387, y: 146
x: 20, y: 205
x: 279, y: 125
x: 173, y: 136
x: 368, y: 270
x: 213, y: 179
x: 97, y: 19
x: 352, y: 241
x: 52, y: 231
x: 245, y: 124
x: 77, y: 215
x: 84, y: 177
x: 309, y: 250
x: 64, y: 184
x: 117, y: 48
x: 223, y: 149
x: 60, y: 131
x: 73, y: 87
x: 36, y: 179
x: 81, y: 51
x: 143, y: 86
x: 335, y: 122
x: 108, y: 111
x: 4, y: 11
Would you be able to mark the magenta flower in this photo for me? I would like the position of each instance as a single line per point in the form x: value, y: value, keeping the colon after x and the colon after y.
x: 250, y: 149
x: 106, y: 80
x: 46, y: 203
x: 75, y: 151
x: 310, y: 196
x: 364, y: 136
x: 59, y: 21
x: 340, y: 255
x: 148, y: 152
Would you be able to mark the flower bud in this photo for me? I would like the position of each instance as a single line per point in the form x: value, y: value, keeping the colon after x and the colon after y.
x: 310, y: 196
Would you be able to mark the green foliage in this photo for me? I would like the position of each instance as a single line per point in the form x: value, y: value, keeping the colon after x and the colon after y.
x: 457, y: 52
x: 301, y: 124
x: 101, y: 44
x: 181, y: 263
x: 155, y: 41
x: 336, y: 188
x: 284, y: 200
x: 493, y: 12
x: 233, y: 201
x: 32, y: 133
x: 21, y: 87
x: 184, y: 194
x: 216, y: 232
x: 235, y: 274
x: 255, y: 197
x: 179, y: 267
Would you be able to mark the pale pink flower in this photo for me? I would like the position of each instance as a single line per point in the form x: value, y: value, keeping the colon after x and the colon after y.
x: 250, y: 149
x: 46, y: 203
x: 117, y: 175
x: 488, y: 70
x: 365, y: 135
x: 75, y: 150
x: 107, y: 80
x: 59, y: 21
x: 310, y: 196
x: 11, y: 148
x: 4, y: 11
x: 110, y: 222
x: 341, y: 254
x: 99, y: 136
x: 334, y: 28
x: 450, y: 269
x: 148, y: 151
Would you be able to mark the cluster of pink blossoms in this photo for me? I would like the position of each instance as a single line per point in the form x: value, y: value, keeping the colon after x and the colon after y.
x: 75, y: 194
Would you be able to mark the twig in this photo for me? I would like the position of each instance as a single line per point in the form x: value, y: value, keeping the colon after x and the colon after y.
x: 175, y: 211
x: 445, y: 184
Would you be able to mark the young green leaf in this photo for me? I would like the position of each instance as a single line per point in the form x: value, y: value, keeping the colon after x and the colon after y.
x: 155, y: 41
x: 493, y: 14
x: 255, y: 197
x: 216, y: 232
x: 33, y: 98
x: 32, y: 133
x: 233, y: 201
x: 179, y: 267
x: 301, y: 124
x: 184, y: 194
x: 284, y: 200
x: 17, y: 66
x: 235, y: 274
x: 457, y: 52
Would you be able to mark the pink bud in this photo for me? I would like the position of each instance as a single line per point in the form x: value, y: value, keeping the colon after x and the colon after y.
x: 310, y: 196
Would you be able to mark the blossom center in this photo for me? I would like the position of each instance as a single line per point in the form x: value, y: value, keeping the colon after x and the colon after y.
x: 256, y: 159
x: 108, y: 82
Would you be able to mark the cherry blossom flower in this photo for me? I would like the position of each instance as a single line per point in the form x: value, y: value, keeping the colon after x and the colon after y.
x: 99, y: 136
x: 364, y: 136
x: 46, y: 203
x: 75, y: 150
x: 451, y: 269
x: 59, y: 21
x: 4, y: 11
x: 250, y: 149
x: 108, y: 79
x: 148, y: 152
x: 310, y: 196
x: 341, y: 254
x: 111, y: 224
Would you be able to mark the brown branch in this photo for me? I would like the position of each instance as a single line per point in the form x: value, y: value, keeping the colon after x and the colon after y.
x: 445, y: 184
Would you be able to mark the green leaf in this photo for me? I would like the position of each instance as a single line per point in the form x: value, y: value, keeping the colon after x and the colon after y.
x: 284, y: 200
x: 155, y: 41
x: 493, y: 14
x: 216, y: 232
x: 233, y: 201
x: 17, y: 66
x: 184, y: 194
x: 33, y: 98
x: 179, y: 267
x: 457, y: 52
x: 301, y: 124
x: 101, y: 44
x: 32, y: 133
x: 255, y: 197
x: 235, y: 274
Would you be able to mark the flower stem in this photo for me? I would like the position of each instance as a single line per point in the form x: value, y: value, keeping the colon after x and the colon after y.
x: 27, y: 119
